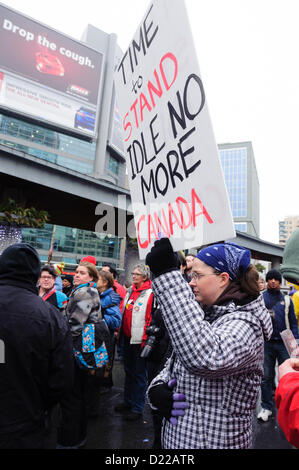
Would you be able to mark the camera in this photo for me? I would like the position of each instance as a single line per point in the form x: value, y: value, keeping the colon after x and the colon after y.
x: 153, y: 334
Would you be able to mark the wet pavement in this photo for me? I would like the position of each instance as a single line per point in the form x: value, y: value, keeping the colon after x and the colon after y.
x: 268, y: 435
x: 109, y: 430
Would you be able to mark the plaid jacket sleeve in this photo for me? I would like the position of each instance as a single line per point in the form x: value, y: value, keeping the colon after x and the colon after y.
x: 215, y: 349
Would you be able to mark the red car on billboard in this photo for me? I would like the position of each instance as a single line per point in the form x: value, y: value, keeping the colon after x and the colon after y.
x: 49, y: 63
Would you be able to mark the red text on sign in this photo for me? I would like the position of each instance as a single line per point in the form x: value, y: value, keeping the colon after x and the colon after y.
x: 146, y: 101
x: 164, y: 220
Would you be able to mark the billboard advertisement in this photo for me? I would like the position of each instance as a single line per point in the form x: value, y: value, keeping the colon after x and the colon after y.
x: 116, y: 138
x: 47, y: 75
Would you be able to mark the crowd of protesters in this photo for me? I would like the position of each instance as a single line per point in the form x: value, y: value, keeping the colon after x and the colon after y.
x: 198, y: 336
x: 42, y: 321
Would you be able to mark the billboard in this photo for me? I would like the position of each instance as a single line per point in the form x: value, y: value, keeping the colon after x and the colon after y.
x: 174, y: 171
x: 47, y: 75
x: 116, y: 137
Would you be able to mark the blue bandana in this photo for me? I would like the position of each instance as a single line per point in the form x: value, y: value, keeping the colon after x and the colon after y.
x: 226, y: 258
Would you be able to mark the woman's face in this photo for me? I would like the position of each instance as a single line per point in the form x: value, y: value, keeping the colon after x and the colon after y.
x: 137, y: 278
x: 82, y: 276
x: 206, y: 284
x: 102, y: 284
x: 262, y: 284
x: 189, y: 261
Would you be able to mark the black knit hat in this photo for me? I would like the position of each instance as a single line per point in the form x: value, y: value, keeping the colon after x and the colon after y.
x: 273, y: 274
x: 68, y: 277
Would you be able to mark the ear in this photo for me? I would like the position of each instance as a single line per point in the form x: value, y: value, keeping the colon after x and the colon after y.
x: 224, y: 279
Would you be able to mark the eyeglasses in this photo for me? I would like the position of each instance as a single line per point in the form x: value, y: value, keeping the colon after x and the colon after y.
x: 196, y: 276
x: 136, y: 274
x: 47, y: 278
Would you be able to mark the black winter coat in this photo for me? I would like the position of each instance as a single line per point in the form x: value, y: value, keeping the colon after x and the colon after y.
x: 38, y: 363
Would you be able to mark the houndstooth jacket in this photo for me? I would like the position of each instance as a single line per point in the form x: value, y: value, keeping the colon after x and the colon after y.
x: 218, y: 365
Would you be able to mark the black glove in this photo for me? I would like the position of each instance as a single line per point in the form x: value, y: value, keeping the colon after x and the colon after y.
x: 170, y: 405
x: 162, y: 259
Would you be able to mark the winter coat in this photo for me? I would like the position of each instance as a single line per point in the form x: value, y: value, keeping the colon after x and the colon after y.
x: 110, y: 301
x: 56, y: 298
x: 295, y: 299
x: 137, y: 312
x: 217, y: 362
x: 161, y: 350
x: 275, y: 301
x: 122, y: 292
x: 84, y: 306
x: 38, y: 364
x: 287, y: 402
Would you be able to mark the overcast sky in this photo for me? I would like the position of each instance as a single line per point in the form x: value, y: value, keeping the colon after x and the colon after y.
x: 248, y: 57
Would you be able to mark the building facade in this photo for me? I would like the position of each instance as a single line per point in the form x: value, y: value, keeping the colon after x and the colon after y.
x: 287, y: 227
x: 75, y: 169
x: 242, y: 184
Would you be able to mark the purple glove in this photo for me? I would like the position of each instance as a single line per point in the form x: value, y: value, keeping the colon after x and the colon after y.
x: 179, y: 403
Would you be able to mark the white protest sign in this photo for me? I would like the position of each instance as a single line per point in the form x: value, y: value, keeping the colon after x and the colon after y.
x: 175, y: 176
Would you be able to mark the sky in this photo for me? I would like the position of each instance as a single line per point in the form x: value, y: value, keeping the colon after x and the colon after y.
x: 247, y: 52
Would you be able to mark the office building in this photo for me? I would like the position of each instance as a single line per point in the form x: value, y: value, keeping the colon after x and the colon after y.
x: 287, y: 227
x: 61, y: 146
x: 242, y: 184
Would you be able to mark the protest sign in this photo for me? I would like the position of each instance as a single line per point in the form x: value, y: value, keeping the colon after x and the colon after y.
x: 175, y: 176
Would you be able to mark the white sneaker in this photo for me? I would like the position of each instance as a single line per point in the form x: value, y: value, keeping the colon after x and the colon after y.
x: 264, y: 414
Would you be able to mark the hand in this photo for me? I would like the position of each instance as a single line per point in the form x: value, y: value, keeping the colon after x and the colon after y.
x: 179, y: 404
x: 169, y: 404
x: 290, y: 365
x: 162, y: 259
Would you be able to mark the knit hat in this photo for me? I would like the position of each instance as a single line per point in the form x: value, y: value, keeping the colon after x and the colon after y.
x: 273, y: 274
x: 59, y: 268
x: 89, y: 259
x: 290, y: 263
x: 68, y: 277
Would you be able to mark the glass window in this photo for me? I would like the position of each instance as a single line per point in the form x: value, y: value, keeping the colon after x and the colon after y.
x: 241, y: 227
x: 74, y: 241
x: 234, y: 165
x: 113, y: 165
x: 71, y: 152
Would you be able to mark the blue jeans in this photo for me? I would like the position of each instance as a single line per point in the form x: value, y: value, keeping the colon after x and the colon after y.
x: 273, y: 349
x: 135, y: 376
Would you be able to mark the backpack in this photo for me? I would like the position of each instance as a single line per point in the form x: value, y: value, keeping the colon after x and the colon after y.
x: 93, y: 347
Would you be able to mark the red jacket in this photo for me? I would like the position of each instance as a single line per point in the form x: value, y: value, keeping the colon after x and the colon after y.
x: 127, y: 313
x: 287, y: 402
x: 122, y: 291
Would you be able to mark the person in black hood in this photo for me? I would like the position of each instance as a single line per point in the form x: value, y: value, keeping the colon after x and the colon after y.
x: 37, y: 368
x: 20, y: 266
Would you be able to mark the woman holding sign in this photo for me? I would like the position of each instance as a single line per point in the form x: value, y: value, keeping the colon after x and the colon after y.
x: 209, y: 388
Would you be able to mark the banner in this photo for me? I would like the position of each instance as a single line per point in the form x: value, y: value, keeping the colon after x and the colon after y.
x: 56, y: 78
x: 175, y: 175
